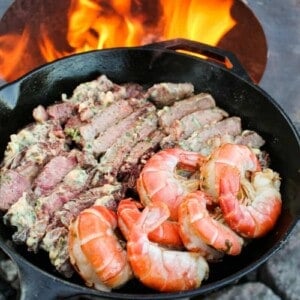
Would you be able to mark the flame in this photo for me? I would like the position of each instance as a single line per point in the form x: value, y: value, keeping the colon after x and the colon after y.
x: 115, y: 24
x: 11, y: 48
x: 95, y: 24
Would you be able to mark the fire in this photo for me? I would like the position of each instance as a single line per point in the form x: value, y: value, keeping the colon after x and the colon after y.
x: 95, y: 24
x: 117, y: 23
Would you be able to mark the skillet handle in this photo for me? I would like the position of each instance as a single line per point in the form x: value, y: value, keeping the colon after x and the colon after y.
x: 214, y: 54
x: 36, y: 284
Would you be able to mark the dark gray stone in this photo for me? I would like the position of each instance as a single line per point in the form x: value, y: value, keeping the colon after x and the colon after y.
x: 245, y: 291
x: 281, y: 272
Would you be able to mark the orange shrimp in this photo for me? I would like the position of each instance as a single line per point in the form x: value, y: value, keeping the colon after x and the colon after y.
x: 167, y: 234
x: 159, y: 268
x: 197, y: 223
x: 159, y: 180
x: 95, y: 250
x: 252, y: 207
x: 239, y: 156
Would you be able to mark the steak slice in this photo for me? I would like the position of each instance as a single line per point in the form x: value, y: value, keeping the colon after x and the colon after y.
x: 110, y: 136
x: 112, y: 160
x: 183, y: 128
x: 137, y: 157
x: 167, y: 93
x: 53, y: 173
x: 250, y: 138
x: 61, y: 111
x: 197, y: 141
x: 104, y: 119
x: 74, y: 182
x: 178, y: 110
x: 12, y: 186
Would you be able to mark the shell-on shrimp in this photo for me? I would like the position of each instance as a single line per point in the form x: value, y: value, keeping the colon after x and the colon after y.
x: 238, y: 156
x: 167, y: 234
x: 95, y: 250
x: 255, y: 211
x: 197, y: 223
x: 159, y: 268
x: 159, y: 180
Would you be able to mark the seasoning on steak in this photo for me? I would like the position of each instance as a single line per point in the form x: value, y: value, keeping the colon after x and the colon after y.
x: 198, y: 140
x: 167, y: 93
x: 178, y: 110
x: 48, y: 132
x: 73, y: 183
x: 112, y: 160
x: 137, y: 157
x: 93, y: 89
x: 183, y: 128
x: 104, y: 119
x: 12, y: 186
x: 105, y: 140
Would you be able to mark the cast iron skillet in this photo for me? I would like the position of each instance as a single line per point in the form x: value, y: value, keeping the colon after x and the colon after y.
x: 233, y: 91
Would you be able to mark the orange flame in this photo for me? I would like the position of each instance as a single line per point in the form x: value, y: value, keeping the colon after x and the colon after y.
x: 94, y: 24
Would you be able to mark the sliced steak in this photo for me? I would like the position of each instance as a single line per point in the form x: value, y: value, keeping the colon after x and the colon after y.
x: 104, y: 119
x: 12, y: 186
x: 74, y: 182
x: 136, y: 159
x: 196, y: 142
x: 144, y: 146
x: 113, y: 193
x: 61, y: 111
x: 183, y: 128
x: 178, y: 110
x: 111, y: 161
x: 53, y: 173
x: 110, y: 136
x: 250, y: 138
x: 134, y: 90
x: 167, y: 93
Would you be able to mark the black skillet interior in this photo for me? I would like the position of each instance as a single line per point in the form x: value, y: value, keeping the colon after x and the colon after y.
x: 147, y: 66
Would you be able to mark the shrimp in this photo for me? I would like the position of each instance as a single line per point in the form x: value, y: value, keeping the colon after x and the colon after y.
x: 159, y: 180
x: 239, y: 156
x: 159, y: 268
x: 96, y: 252
x: 197, y: 223
x: 255, y: 211
x: 167, y: 234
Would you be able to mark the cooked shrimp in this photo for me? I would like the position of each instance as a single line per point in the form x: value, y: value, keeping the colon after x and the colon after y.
x: 95, y: 250
x: 196, y: 222
x: 159, y: 268
x: 239, y: 156
x: 167, y: 234
x: 254, y: 211
x: 160, y: 180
